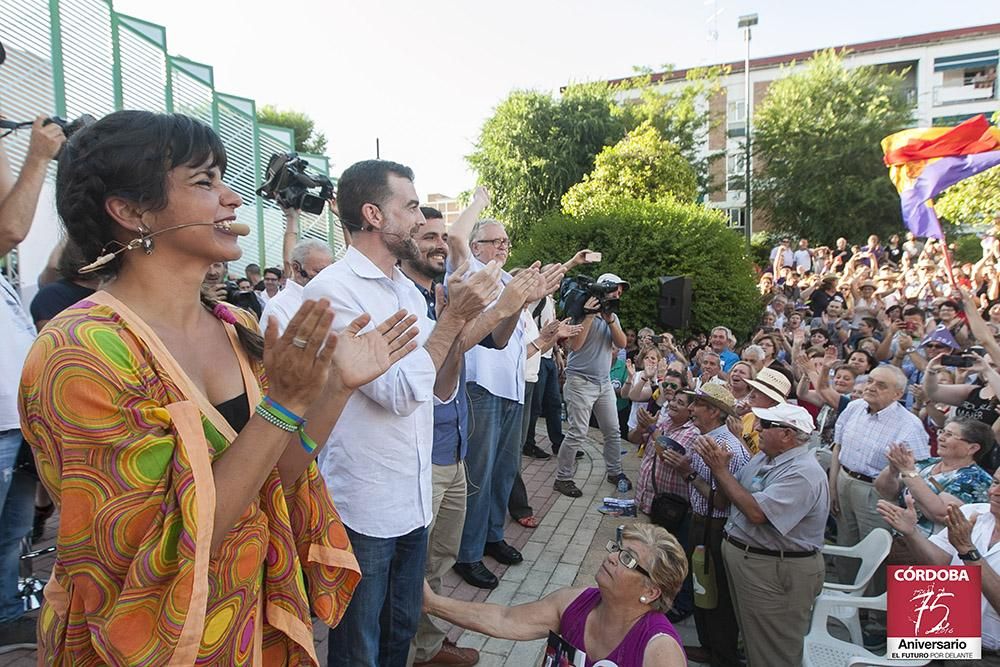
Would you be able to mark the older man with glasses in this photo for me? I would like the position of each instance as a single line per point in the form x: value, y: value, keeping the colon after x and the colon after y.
x: 780, y: 502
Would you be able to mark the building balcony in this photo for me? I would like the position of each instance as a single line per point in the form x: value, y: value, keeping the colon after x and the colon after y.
x: 984, y: 90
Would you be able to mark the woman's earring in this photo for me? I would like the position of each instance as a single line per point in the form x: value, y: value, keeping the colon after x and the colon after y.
x: 145, y: 239
x: 642, y: 599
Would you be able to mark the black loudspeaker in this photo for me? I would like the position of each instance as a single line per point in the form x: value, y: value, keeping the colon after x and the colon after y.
x: 674, y: 304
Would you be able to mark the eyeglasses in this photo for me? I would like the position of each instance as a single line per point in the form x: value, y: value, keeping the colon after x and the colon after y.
x: 671, y: 385
x: 767, y: 423
x: 497, y: 243
x: 625, y: 557
x: 951, y: 436
x: 936, y: 346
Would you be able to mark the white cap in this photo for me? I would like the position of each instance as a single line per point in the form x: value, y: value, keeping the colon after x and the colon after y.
x: 794, y: 416
x: 612, y: 278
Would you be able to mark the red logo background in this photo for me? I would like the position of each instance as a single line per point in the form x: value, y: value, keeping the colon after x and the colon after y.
x: 935, y: 606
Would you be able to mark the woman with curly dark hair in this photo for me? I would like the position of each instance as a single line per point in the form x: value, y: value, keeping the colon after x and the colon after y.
x: 177, y: 443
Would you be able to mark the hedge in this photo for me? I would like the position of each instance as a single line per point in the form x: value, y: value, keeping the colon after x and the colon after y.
x: 642, y: 241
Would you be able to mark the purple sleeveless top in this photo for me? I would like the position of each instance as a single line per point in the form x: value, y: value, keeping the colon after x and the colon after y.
x: 632, y: 648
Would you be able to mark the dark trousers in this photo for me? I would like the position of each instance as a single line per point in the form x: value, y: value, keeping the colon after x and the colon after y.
x: 718, y: 630
x: 517, y: 504
x: 546, y: 402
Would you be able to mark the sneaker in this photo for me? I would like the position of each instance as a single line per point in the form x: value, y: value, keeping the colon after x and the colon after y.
x: 567, y: 487
x: 614, y: 479
x: 21, y: 633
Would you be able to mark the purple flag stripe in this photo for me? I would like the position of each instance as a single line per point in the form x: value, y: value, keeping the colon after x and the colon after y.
x: 921, y: 219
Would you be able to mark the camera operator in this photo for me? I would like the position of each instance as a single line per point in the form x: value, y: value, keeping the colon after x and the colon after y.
x: 18, y: 201
x: 588, y: 388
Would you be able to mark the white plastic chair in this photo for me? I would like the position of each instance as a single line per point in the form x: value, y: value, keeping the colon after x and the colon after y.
x: 871, y: 551
x: 821, y: 649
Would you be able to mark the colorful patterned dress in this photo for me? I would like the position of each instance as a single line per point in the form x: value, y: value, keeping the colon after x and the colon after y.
x: 125, y: 443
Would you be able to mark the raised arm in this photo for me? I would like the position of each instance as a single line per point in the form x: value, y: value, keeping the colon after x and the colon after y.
x: 461, y: 230
x: 17, y: 208
x: 523, y: 622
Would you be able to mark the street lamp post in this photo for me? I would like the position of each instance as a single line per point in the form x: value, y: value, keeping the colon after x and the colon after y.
x: 745, y: 22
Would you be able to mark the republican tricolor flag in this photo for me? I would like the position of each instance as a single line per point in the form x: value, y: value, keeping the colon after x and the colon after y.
x: 924, y: 161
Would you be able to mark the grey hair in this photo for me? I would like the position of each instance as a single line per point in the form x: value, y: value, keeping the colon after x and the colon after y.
x: 755, y: 352
x: 898, y: 375
x: 304, y: 247
x: 710, y: 353
x: 477, y: 228
x: 729, y: 334
x: 802, y: 438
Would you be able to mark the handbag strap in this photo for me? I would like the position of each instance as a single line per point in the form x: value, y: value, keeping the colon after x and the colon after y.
x: 708, y: 523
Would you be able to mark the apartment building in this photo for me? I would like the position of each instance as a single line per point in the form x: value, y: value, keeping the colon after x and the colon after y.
x: 951, y: 75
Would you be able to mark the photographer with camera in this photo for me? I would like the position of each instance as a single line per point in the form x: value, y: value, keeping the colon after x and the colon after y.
x: 18, y: 201
x: 588, y: 389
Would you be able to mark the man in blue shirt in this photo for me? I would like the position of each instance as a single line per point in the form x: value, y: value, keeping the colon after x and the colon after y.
x: 720, y: 340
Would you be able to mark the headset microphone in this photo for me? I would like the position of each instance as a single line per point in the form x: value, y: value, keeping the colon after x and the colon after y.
x: 146, y: 241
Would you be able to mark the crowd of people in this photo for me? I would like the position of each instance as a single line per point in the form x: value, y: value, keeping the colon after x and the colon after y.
x: 232, y: 455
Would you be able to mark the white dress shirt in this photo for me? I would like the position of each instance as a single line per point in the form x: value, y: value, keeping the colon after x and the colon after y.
x: 982, y: 532
x: 500, y: 372
x: 377, y: 460
x: 282, y: 307
x: 17, y: 333
x: 865, y: 437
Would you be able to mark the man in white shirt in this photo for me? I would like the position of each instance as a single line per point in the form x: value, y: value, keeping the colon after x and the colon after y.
x: 862, y: 436
x: 377, y: 463
x: 970, y: 538
x: 495, y: 382
x: 309, y: 258
x: 18, y: 200
x: 803, y: 256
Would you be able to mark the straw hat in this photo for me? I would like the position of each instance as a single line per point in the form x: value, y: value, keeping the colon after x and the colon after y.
x: 715, y: 395
x: 772, y: 384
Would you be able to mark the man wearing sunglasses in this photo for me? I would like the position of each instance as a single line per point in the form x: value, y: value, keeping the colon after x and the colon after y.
x: 780, y: 501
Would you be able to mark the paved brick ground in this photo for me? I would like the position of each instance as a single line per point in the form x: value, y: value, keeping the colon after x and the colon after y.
x: 566, y: 549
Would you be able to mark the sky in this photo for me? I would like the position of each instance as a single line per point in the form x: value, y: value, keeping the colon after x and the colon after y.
x: 422, y: 76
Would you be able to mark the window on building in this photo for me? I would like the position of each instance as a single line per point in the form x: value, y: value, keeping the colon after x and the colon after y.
x: 736, y: 216
x: 737, y: 112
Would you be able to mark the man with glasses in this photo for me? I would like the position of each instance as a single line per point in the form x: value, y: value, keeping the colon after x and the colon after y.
x: 717, y: 628
x: 309, y: 257
x: 780, y: 502
x: 496, y: 387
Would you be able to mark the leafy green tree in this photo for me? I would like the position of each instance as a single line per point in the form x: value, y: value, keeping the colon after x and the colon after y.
x: 535, y: 147
x: 975, y: 200
x: 643, y: 166
x: 679, y: 114
x: 641, y: 241
x: 307, y: 138
x: 817, y: 139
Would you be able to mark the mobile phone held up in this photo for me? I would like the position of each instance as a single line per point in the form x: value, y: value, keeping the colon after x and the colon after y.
x: 957, y: 360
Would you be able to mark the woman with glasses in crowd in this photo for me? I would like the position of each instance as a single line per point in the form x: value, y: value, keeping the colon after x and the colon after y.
x: 952, y: 477
x: 621, y: 620
x: 173, y: 438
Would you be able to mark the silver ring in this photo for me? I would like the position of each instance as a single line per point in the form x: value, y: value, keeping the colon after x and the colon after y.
x: 299, y: 342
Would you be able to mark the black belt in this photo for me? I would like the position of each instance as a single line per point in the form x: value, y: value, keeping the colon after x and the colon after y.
x: 856, y: 475
x: 766, y: 552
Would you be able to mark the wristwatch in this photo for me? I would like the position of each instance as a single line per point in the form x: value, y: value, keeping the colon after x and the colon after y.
x: 909, y: 473
x: 971, y: 556
x: 690, y: 478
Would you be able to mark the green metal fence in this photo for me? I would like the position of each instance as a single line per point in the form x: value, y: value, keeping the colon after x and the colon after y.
x: 69, y: 57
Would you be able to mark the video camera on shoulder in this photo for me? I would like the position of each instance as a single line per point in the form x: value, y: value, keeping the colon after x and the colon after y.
x: 288, y: 182
x: 574, y: 291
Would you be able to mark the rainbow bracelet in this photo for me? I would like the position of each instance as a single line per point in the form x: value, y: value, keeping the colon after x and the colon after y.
x: 281, y: 417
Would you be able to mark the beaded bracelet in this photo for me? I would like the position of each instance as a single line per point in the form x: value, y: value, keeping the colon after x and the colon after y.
x: 281, y: 417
